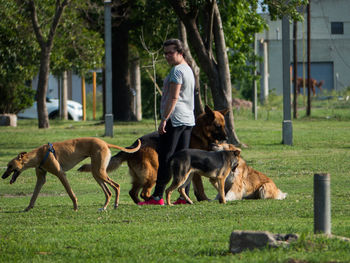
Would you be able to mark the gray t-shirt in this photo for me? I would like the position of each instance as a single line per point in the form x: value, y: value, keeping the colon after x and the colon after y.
x: 183, y: 113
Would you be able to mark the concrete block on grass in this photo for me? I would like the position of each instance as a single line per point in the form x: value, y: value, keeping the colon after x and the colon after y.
x: 8, y: 120
x: 243, y: 240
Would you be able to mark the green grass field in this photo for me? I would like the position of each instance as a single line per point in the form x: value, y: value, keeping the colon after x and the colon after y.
x: 53, y: 232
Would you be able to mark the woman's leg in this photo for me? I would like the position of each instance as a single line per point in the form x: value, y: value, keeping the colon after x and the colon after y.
x: 184, y: 143
x: 168, y: 144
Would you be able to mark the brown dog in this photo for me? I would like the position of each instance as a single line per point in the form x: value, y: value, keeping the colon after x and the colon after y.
x: 143, y: 164
x: 59, y: 157
x: 314, y: 83
x: 214, y: 165
x: 247, y: 183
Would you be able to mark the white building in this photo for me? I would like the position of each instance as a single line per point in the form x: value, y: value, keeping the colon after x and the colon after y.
x: 330, y: 46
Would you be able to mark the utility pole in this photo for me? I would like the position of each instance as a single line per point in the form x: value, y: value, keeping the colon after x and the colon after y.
x: 108, y: 71
x: 295, y: 69
x: 255, y: 89
x: 287, y: 129
x: 308, y: 107
x: 264, y: 72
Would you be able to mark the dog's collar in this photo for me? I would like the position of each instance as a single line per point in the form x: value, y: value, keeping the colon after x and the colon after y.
x: 50, y: 149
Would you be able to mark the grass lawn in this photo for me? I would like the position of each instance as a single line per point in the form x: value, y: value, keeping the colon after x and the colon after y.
x: 52, y: 231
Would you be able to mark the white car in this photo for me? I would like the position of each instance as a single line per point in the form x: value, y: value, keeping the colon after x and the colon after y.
x: 75, y: 110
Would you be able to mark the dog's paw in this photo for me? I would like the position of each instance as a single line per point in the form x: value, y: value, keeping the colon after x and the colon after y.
x: 102, y: 209
x: 281, y: 195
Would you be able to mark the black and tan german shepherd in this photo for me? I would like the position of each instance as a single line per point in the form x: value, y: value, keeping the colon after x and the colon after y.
x: 214, y: 165
x: 143, y: 164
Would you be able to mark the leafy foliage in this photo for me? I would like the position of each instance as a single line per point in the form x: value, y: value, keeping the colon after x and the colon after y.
x: 77, y: 47
x: 279, y: 8
x: 15, y: 98
x: 78, y: 44
x: 241, y: 22
x: 154, y: 22
x: 18, y: 58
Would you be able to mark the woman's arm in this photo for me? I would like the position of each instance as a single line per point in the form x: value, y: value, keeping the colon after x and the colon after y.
x: 174, y: 92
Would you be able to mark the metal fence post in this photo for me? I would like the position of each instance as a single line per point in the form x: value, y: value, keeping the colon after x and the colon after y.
x: 108, y: 61
x: 322, y: 204
x: 287, y: 129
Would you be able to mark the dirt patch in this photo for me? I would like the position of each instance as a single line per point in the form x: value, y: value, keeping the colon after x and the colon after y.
x: 241, y: 104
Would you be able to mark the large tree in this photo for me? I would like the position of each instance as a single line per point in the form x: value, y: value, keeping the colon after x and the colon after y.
x: 130, y: 20
x: 207, y: 41
x: 126, y: 16
x: 205, y: 25
x: 64, y: 42
x: 45, y: 30
x: 215, y: 66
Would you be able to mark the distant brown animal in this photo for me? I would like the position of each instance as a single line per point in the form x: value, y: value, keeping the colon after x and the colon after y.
x: 245, y: 182
x: 314, y: 83
x: 59, y: 157
x: 143, y: 164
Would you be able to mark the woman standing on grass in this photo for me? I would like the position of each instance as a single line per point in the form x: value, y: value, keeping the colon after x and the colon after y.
x: 177, y: 113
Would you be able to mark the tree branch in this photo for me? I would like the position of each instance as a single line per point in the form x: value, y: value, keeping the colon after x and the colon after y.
x: 154, y: 81
x: 209, y: 31
x: 56, y: 19
x: 35, y: 23
x: 194, y: 37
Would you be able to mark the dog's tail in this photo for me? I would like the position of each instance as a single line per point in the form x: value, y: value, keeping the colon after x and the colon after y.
x: 270, y: 190
x: 128, y: 150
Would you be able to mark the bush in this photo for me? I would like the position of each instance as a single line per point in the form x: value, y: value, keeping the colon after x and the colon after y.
x: 15, y: 98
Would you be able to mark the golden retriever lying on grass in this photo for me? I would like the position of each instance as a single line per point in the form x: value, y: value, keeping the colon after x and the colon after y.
x: 247, y: 183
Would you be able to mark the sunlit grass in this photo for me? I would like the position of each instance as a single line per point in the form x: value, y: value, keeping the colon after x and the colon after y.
x: 52, y: 231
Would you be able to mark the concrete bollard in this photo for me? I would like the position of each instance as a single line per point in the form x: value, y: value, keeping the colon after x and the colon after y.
x: 322, y: 204
x: 8, y: 120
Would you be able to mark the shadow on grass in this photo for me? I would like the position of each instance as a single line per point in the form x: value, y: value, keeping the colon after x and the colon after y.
x: 13, y: 212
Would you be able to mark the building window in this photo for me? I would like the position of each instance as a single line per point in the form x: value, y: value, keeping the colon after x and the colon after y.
x: 337, y: 28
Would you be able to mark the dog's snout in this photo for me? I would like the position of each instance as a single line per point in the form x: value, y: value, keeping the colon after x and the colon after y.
x: 5, y: 175
x: 14, y: 176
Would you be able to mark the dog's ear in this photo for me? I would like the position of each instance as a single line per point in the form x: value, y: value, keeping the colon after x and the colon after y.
x: 210, y: 114
x: 224, y: 112
x: 208, y: 111
x: 20, y: 156
x: 237, y: 152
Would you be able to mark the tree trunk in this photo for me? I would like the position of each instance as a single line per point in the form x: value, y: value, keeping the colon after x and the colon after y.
x: 43, y: 80
x: 308, y: 107
x: 64, y: 96
x: 46, y: 47
x: 196, y: 70
x: 135, y: 80
x: 224, y: 75
x: 121, y: 93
